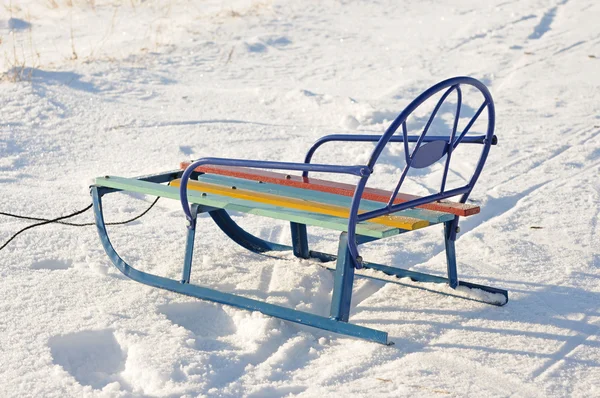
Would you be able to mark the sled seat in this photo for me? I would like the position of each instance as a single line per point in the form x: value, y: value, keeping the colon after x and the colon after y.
x: 298, y: 205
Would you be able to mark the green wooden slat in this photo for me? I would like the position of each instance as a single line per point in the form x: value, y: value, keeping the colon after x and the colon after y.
x: 244, y: 206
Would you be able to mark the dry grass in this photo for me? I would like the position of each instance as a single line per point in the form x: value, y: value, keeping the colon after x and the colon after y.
x: 20, y: 61
x: 21, y: 57
x: 52, y: 4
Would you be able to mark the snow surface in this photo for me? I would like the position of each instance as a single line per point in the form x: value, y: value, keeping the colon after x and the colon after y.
x: 134, y: 87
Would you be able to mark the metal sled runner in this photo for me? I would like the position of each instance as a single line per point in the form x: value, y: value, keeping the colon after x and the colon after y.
x: 359, y: 213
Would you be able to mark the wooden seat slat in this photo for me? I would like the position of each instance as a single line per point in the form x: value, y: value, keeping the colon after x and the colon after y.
x: 374, y: 194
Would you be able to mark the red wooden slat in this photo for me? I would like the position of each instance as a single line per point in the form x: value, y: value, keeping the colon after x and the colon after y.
x: 315, y: 184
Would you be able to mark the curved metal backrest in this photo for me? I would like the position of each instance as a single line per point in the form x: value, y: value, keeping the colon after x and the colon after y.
x: 427, y: 150
x: 430, y: 149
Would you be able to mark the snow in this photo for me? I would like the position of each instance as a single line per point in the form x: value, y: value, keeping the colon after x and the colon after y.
x: 128, y: 88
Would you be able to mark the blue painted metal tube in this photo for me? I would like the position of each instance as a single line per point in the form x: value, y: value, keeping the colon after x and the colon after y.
x: 415, y: 276
x: 480, y: 139
x: 160, y: 178
x: 405, y: 140
x: 449, y: 238
x: 227, y: 298
x: 432, y: 117
x: 241, y: 237
x: 412, y: 203
x: 344, y: 278
x: 400, y: 181
x: 353, y: 220
x: 462, y: 135
x: 360, y: 239
x: 189, y: 247
x: 421, y: 277
x: 489, y: 140
x: 451, y: 139
x: 299, y: 240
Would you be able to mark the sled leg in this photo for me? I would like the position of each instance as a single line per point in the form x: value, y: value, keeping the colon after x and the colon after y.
x: 344, y: 278
x: 449, y: 238
x: 189, y: 246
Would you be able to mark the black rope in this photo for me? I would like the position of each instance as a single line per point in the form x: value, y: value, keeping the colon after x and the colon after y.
x: 58, y: 220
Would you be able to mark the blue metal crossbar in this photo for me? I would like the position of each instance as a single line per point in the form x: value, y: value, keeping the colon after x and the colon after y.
x: 476, y: 139
x: 427, y: 150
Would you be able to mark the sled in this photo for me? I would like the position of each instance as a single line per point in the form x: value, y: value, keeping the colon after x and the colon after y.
x: 359, y: 214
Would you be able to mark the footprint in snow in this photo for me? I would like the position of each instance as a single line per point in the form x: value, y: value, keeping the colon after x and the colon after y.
x: 231, y: 343
x: 207, y: 322
x: 93, y: 357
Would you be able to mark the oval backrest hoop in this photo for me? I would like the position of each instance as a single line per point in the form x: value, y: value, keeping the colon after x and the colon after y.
x: 428, y: 151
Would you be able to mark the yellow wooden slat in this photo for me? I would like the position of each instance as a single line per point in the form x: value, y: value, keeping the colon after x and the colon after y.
x: 407, y: 223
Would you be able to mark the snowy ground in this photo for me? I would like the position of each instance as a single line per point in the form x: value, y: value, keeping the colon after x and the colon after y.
x: 134, y: 87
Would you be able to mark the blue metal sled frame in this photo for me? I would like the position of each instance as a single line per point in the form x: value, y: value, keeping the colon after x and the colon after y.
x: 347, y: 258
